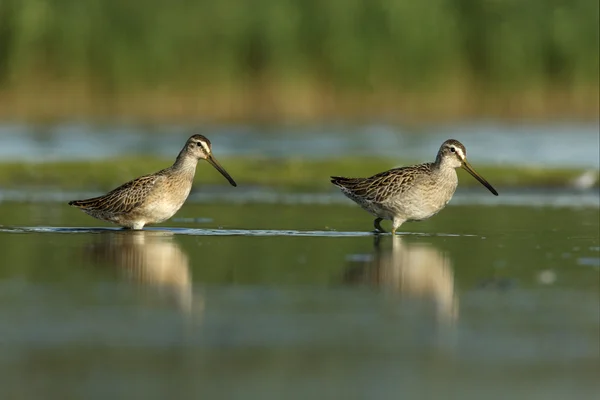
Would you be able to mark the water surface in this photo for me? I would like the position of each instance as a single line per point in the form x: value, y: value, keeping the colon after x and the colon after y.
x: 271, y: 300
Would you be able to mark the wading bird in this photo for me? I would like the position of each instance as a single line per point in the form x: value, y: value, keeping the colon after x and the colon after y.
x: 153, y: 198
x: 412, y: 193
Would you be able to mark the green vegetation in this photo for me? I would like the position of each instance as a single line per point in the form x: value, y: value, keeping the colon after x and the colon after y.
x: 288, y: 174
x: 299, y: 59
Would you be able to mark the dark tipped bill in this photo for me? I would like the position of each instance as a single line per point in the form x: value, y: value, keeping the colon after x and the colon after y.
x: 218, y: 167
x: 466, y: 166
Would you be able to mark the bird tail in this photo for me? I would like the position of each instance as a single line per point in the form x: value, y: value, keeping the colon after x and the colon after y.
x: 339, y: 180
x: 343, y: 182
x: 82, y: 203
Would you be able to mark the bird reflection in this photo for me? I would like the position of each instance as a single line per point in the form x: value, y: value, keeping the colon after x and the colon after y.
x: 151, y: 259
x: 415, y: 270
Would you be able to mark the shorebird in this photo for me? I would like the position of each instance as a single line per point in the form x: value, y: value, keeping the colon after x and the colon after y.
x: 153, y: 198
x: 412, y: 193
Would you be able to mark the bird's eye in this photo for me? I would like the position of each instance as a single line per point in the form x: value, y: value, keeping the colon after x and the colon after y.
x: 452, y: 149
x: 198, y: 144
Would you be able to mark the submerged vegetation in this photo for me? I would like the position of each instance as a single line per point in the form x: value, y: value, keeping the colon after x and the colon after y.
x: 298, y: 59
x: 285, y: 174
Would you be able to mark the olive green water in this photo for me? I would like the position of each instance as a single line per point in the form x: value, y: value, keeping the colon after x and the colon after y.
x: 268, y: 301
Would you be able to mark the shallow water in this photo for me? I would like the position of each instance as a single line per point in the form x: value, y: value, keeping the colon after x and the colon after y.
x: 565, y: 144
x: 273, y: 300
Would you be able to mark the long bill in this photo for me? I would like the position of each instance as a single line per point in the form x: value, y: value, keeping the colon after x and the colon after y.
x: 466, y: 166
x: 218, y: 167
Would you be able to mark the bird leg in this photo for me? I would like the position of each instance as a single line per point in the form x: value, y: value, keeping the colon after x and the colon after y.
x: 397, y: 223
x: 378, y: 228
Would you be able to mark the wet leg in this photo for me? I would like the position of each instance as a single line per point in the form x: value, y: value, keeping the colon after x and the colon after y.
x: 378, y: 228
x: 397, y: 223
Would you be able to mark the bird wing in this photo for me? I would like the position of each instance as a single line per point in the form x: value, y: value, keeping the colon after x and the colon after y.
x: 124, y: 198
x: 380, y: 187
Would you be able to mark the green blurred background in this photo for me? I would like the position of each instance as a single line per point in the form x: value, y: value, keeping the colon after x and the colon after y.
x: 300, y: 60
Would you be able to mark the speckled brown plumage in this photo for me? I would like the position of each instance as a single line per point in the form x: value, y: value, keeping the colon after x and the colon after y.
x: 123, y: 199
x: 410, y: 193
x: 156, y: 197
x: 382, y: 186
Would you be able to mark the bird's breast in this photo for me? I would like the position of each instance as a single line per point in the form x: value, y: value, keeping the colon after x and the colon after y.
x: 164, y: 203
x: 427, y: 197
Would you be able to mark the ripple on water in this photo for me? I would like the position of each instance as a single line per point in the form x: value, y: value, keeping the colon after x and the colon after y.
x: 217, y: 232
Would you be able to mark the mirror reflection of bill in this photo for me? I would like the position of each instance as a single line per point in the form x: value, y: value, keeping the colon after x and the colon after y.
x: 416, y: 270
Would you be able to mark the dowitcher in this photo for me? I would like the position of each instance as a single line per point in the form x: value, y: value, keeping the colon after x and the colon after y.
x: 412, y: 193
x: 153, y: 198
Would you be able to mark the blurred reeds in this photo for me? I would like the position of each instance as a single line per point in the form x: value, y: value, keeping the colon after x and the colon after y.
x: 299, y: 59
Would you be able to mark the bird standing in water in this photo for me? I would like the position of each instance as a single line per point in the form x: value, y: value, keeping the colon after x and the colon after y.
x: 412, y: 193
x: 153, y: 198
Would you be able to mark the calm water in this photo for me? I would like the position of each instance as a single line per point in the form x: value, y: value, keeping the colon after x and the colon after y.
x: 570, y: 144
x: 263, y: 300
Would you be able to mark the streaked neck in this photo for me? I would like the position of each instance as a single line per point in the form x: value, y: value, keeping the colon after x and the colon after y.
x: 185, y: 163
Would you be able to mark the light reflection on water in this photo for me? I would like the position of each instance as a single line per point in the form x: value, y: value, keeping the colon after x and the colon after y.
x: 413, y: 270
x: 150, y: 259
x: 213, y: 232
x: 179, y: 309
